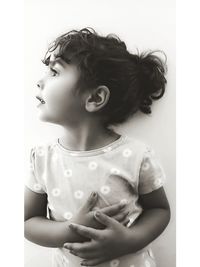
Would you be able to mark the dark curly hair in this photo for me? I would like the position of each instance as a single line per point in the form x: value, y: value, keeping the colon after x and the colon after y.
x: 134, y: 80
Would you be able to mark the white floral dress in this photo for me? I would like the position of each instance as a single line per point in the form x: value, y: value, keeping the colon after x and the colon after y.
x: 119, y: 171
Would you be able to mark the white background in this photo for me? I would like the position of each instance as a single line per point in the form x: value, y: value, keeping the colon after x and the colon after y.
x: 141, y: 24
x: 12, y: 130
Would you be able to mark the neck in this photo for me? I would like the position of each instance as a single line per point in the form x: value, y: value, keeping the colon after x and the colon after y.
x: 87, y: 136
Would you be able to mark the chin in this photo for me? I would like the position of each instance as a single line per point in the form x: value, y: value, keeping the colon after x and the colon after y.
x: 48, y: 119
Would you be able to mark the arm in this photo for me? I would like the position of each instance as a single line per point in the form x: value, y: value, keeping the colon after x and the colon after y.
x: 117, y: 240
x: 39, y: 229
x: 45, y: 232
x: 153, y: 220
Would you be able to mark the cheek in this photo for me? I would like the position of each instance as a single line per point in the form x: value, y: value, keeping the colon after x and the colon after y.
x: 59, y: 97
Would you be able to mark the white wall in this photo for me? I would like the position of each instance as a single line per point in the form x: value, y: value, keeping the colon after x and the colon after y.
x: 143, y: 24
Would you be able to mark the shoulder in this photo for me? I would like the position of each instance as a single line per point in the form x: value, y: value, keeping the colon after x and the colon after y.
x: 44, y: 148
x: 136, y: 144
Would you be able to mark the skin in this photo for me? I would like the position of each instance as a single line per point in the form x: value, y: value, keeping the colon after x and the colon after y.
x: 77, y: 115
x: 44, y: 232
x: 57, y: 88
x: 84, y: 130
x: 117, y: 240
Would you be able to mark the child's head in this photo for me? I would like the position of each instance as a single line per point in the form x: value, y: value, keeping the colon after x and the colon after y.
x: 119, y: 83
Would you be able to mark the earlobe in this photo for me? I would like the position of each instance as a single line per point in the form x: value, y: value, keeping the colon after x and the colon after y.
x: 97, y: 99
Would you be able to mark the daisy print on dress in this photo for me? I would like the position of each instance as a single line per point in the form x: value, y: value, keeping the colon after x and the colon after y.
x: 127, y: 153
x: 145, y: 166
x: 114, y: 263
x: 78, y: 194
x: 37, y: 187
x: 68, y: 215
x: 92, y: 165
x: 68, y: 172
x: 55, y: 192
x: 105, y: 189
x: 115, y: 171
x: 157, y: 182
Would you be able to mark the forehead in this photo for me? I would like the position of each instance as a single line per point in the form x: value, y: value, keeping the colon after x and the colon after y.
x: 63, y: 57
x: 54, y: 59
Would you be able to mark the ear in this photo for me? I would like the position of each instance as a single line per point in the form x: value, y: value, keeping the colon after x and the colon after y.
x: 97, y: 99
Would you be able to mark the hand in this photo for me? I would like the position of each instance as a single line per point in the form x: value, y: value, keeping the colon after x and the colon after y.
x: 85, y: 215
x: 107, y: 244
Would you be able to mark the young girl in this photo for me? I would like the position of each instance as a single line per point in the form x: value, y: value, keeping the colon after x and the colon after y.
x: 96, y: 196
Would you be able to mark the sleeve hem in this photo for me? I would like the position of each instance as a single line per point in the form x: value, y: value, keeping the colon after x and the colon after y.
x: 150, y: 190
x: 34, y: 190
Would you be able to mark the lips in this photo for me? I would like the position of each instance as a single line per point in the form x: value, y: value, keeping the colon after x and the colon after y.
x: 40, y: 99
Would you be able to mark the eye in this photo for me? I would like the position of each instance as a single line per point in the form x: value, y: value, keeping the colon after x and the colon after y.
x: 53, y: 72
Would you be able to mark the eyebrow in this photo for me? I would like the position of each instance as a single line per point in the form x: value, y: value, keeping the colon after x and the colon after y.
x: 47, y: 61
x: 58, y: 61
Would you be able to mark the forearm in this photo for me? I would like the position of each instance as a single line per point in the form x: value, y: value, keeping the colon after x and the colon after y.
x: 148, y: 227
x: 48, y: 233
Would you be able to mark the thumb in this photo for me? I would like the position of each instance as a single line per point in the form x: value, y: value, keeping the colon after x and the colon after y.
x: 90, y: 202
x: 104, y: 219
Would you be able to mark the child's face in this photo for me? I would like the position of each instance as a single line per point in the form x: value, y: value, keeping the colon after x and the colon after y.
x: 56, y: 88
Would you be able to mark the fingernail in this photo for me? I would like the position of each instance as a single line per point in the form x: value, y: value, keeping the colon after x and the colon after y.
x: 66, y: 246
x: 71, y: 225
x: 97, y: 213
x: 94, y: 194
x: 123, y: 202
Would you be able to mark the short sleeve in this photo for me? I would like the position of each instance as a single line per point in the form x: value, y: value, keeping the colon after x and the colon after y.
x: 151, y: 175
x: 32, y: 181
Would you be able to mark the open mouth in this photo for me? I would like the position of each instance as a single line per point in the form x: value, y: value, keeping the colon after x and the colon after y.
x: 40, y: 99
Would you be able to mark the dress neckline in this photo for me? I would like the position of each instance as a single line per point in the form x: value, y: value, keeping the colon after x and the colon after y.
x: 92, y: 152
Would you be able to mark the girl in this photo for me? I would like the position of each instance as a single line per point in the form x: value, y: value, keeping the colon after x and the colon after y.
x: 94, y: 195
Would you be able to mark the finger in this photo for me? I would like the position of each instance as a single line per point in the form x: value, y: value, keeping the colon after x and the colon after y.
x: 121, y: 216
x: 85, y: 231
x: 80, y: 247
x: 104, y: 219
x: 90, y: 202
x: 85, y: 255
x: 113, y: 209
x: 73, y: 246
x: 72, y: 250
x: 92, y: 262
x: 85, y: 250
x: 79, y: 254
x: 125, y: 222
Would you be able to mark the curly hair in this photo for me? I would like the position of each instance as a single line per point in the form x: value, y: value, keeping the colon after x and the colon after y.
x: 134, y: 80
